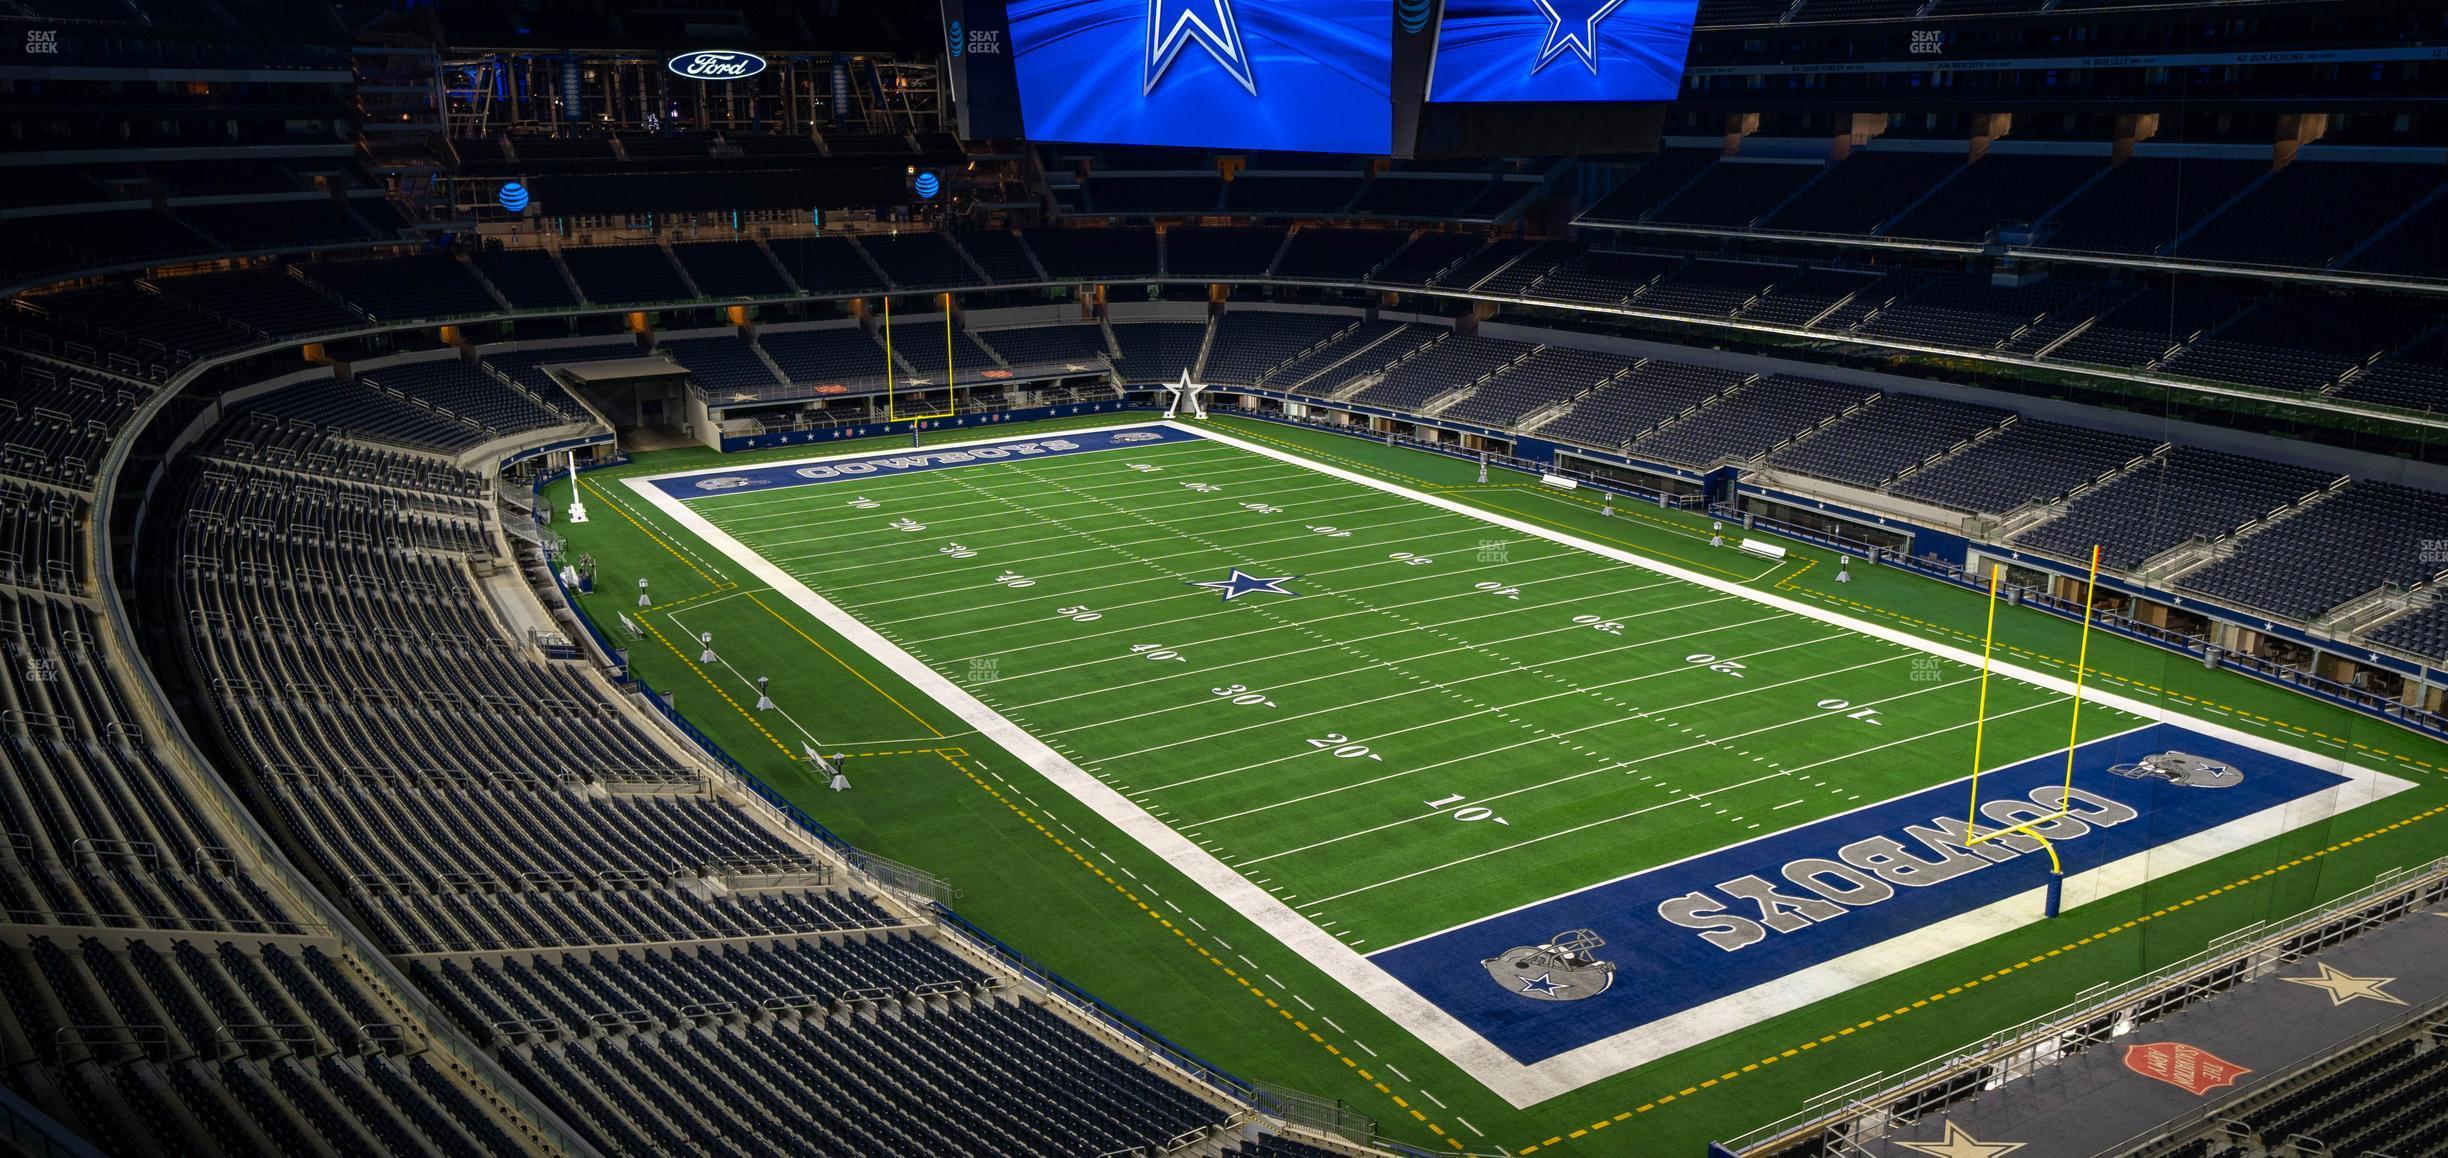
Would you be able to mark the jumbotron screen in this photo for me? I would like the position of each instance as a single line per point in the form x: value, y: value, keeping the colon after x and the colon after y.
x: 1523, y: 51
x: 1456, y: 77
x: 1299, y: 75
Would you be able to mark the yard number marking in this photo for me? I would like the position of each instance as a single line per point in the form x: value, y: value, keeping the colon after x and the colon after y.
x: 1343, y: 747
x: 1728, y: 666
x: 1240, y: 694
x: 1468, y: 813
x: 1865, y: 715
x: 1600, y: 622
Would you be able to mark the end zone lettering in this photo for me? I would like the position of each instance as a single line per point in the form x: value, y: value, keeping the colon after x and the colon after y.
x: 1868, y: 871
x: 937, y: 458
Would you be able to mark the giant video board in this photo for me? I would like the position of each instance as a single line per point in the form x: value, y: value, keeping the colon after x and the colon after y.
x: 1458, y: 77
x: 1542, y: 51
x: 1304, y: 75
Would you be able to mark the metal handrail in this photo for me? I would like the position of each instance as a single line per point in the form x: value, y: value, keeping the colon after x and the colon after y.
x: 2024, y: 1048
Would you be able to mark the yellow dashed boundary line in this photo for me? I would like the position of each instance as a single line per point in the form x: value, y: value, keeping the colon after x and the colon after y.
x: 2002, y: 971
x: 932, y: 730
x: 1184, y: 936
x: 649, y: 532
x: 720, y: 586
x: 652, y: 608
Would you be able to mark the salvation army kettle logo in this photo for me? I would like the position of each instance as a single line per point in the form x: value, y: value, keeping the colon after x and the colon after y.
x: 2190, y: 1068
x: 716, y: 64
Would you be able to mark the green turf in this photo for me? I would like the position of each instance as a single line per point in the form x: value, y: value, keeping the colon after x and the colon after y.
x: 1457, y: 719
x: 1055, y: 881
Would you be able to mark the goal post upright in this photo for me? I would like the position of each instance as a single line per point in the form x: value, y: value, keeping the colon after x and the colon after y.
x: 2065, y: 798
x: 2082, y: 668
x: 892, y: 405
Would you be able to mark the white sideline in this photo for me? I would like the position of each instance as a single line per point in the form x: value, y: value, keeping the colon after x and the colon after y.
x: 1519, y: 1084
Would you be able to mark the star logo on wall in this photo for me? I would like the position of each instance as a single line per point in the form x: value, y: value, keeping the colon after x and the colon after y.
x: 1175, y: 23
x: 2342, y: 987
x: 1572, y: 26
x: 1958, y: 1144
x: 1241, y: 583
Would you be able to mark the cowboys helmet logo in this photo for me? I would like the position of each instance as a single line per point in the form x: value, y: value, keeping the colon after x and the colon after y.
x: 726, y: 482
x: 1137, y: 436
x: 1566, y: 968
x: 2182, y: 769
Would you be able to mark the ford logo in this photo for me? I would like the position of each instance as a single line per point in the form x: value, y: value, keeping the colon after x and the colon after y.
x: 717, y: 65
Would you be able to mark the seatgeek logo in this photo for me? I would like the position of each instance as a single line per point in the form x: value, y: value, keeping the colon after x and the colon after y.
x: 716, y: 64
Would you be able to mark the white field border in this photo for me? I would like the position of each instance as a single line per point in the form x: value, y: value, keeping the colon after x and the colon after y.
x: 1525, y: 1085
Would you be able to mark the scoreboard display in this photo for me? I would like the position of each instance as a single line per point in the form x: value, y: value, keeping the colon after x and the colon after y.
x: 1401, y: 77
x: 1559, y: 50
x: 1302, y: 75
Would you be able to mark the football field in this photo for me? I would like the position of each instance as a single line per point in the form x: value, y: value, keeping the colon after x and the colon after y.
x: 1427, y: 746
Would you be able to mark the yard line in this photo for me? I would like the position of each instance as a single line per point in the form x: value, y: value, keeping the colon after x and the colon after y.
x: 1282, y: 655
x: 1032, y: 559
x: 1516, y: 667
x: 1525, y: 666
x: 1272, y: 561
x: 1542, y: 737
x: 916, y: 480
x: 1227, y: 609
x: 1641, y: 715
x: 934, y: 516
x: 1282, y: 626
x: 1638, y: 811
x: 1242, y: 549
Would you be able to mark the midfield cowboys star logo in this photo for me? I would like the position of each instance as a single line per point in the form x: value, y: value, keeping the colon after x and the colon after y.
x: 1172, y: 23
x: 1572, y: 26
x: 1241, y: 583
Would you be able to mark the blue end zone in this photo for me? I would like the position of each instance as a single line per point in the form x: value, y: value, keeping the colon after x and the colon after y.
x: 1688, y: 933
x: 704, y: 484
